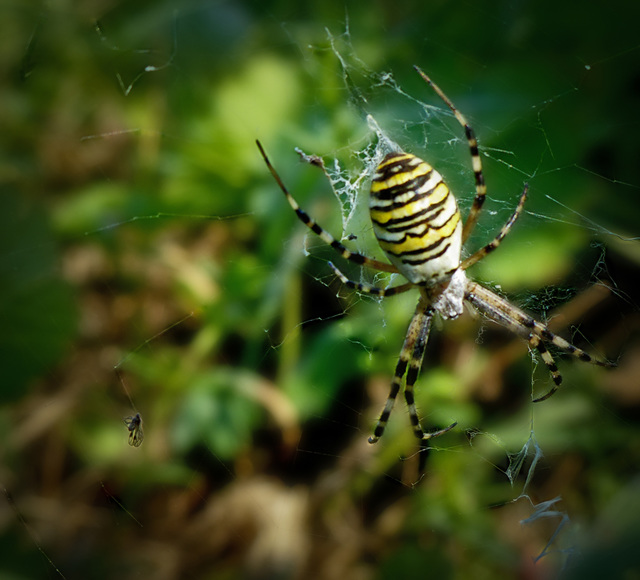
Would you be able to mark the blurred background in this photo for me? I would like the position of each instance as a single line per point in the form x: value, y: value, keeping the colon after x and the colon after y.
x: 150, y: 264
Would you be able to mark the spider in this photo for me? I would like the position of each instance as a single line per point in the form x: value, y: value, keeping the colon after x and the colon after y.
x: 418, y: 225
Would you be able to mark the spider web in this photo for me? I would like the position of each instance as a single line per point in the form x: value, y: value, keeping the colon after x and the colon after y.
x: 93, y: 482
x: 437, y: 129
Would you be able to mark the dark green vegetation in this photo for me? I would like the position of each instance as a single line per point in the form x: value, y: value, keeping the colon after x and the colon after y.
x: 140, y: 228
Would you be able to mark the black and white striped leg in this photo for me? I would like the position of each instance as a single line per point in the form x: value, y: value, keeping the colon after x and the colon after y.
x: 416, y: 327
x: 481, y: 188
x: 411, y: 357
x: 320, y: 231
x: 536, y: 342
x: 415, y: 363
x: 493, y: 244
x: 370, y: 288
x: 499, y: 310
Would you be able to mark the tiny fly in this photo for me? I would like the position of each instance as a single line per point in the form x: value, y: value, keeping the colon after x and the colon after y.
x: 134, y: 424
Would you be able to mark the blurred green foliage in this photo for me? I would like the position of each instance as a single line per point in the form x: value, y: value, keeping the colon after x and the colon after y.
x: 141, y: 232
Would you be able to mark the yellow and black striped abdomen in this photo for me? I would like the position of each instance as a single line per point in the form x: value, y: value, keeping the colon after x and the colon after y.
x: 415, y: 218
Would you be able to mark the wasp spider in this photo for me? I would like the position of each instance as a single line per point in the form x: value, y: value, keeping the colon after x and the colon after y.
x: 418, y: 225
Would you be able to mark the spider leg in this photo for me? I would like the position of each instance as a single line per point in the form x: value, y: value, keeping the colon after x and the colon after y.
x: 481, y: 188
x: 411, y: 356
x: 321, y: 232
x: 415, y: 363
x: 419, y: 325
x: 369, y: 288
x: 536, y: 342
x: 499, y: 310
x: 492, y: 245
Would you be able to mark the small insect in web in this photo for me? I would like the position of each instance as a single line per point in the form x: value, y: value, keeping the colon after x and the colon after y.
x: 418, y: 225
x: 134, y: 425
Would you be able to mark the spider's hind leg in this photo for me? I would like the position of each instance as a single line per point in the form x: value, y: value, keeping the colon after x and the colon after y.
x: 315, y: 227
x: 476, y: 163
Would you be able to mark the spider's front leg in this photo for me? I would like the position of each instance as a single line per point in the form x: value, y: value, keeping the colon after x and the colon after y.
x: 411, y: 357
x: 536, y: 333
